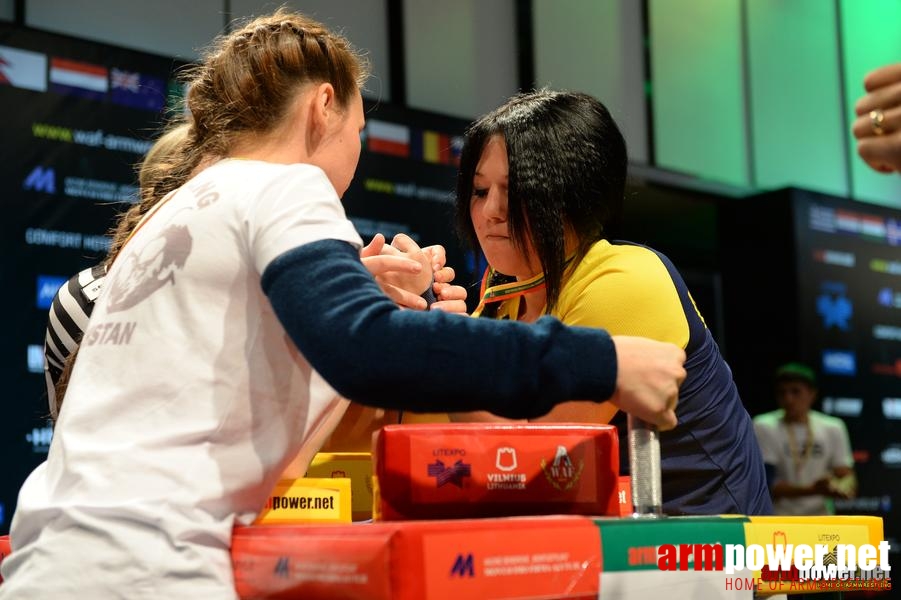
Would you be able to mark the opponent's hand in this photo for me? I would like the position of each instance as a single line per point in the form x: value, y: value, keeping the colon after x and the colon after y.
x: 648, y: 377
x: 393, y: 270
x: 403, y: 245
x: 451, y: 298
x: 878, y: 124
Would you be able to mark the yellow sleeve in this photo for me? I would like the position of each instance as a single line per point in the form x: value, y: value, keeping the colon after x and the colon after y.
x: 626, y: 290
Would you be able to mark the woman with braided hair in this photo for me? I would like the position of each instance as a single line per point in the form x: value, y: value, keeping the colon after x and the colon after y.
x: 232, y: 318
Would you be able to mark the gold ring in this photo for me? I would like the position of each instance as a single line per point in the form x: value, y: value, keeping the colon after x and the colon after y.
x: 877, y: 118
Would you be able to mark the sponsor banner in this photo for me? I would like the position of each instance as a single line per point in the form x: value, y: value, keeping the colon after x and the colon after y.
x: 831, y: 531
x: 835, y: 257
x: 634, y: 544
x: 308, y: 500
x: 35, y: 358
x: 887, y: 332
x: 76, y: 78
x: 843, y: 407
x: 40, y: 179
x: 95, y: 138
x: 23, y: 69
x: 889, y: 267
x: 891, y: 408
x: 406, y: 189
x: 631, y: 550
x: 870, y: 227
x: 890, y: 369
x: 839, y: 362
x: 47, y: 286
x: 834, y: 306
x: 95, y: 189
x: 356, y: 466
x: 889, y: 298
x: 509, y: 562
x: 36, y: 236
x: 891, y: 456
x: 40, y: 438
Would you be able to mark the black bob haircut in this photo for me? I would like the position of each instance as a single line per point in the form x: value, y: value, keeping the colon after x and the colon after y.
x: 567, y: 170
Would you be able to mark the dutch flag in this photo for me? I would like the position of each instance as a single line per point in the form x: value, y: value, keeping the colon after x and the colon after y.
x: 78, y: 78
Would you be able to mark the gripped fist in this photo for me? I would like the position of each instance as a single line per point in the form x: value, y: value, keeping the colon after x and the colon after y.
x: 648, y: 377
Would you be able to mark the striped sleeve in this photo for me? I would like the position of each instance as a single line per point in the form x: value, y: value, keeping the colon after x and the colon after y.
x: 69, y: 314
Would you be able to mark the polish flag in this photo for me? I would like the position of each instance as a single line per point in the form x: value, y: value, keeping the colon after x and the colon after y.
x: 388, y: 138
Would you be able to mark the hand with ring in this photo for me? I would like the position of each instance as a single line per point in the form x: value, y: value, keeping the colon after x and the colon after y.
x: 878, y: 123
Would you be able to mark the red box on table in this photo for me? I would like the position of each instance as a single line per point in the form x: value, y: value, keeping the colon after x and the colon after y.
x: 519, y: 558
x: 474, y: 470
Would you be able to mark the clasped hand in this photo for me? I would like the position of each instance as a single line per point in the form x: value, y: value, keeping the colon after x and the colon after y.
x: 405, y: 271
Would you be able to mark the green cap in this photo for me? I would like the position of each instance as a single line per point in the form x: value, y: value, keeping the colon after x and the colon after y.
x: 796, y: 370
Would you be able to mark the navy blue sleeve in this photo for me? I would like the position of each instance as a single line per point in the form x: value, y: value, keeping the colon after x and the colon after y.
x: 376, y: 354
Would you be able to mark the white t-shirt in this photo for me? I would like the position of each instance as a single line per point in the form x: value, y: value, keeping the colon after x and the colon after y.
x: 828, y: 449
x: 187, y: 399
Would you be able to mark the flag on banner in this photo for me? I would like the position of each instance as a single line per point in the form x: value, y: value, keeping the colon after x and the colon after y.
x: 456, y: 148
x: 893, y: 231
x: 137, y: 90
x: 438, y: 148
x: 78, y: 78
x: 431, y: 142
x: 23, y: 69
x: 871, y: 225
x: 388, y: 138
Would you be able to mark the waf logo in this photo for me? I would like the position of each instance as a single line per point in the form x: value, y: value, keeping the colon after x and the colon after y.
x: 452, y: 474
x: 561, y: 473
x: 506, y: 459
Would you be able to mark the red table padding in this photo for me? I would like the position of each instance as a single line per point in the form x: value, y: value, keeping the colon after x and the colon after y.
x: 474, y: 470
x: 4, y: 550
x: 510, y: 558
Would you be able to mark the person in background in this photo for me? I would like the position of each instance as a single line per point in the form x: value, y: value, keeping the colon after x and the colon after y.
x: 233, y: 317
x: 878, y: 123
x: 807, y: 453
x: 541, y: 180
x: 73, y: 303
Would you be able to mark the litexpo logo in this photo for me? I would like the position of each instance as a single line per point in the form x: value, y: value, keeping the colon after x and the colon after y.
x: 780, y: 561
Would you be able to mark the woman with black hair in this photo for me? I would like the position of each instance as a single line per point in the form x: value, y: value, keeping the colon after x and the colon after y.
x: 541, y: 181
